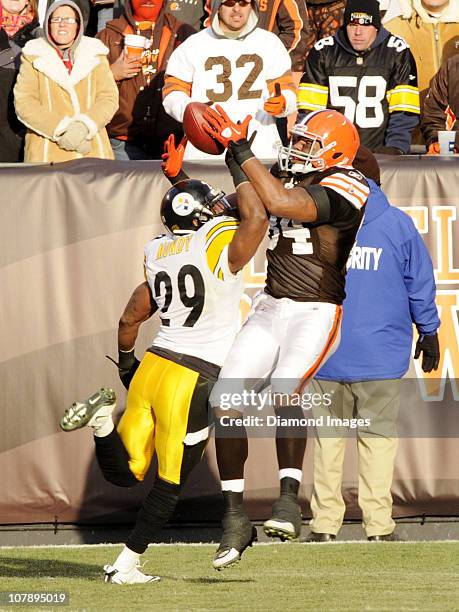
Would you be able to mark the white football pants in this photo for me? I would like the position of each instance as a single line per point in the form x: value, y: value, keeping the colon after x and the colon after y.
x: 283, y: 341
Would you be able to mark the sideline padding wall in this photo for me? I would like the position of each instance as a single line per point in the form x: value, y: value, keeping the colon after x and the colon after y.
x: 72, y: 238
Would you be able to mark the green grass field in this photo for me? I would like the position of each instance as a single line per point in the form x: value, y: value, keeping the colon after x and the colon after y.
x: 383, y: 576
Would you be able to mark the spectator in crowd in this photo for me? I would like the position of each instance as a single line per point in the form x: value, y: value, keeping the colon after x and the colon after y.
x: 18, y: 25
x: 431, y: 29
x: 244, y: 68
x: 367, y: 74
x: 83, y: 5
x: 389, y: 9
x: 65, y: 93
x: 104, y: 10
x: 388, y: 291
x: 191, y: 12
x: 289, y: 20
x: 140, y: 127
x: 441, y: 104
x: 325, y: 17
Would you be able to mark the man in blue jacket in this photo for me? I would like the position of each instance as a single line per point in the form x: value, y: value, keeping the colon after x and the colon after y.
x: 389, y: 286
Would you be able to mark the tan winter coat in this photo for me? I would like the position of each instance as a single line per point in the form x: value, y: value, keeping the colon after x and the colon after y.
x: 47, y: 98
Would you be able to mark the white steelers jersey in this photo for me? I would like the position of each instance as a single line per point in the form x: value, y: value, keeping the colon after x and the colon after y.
x: 196, y: 293
x: 237, y: 74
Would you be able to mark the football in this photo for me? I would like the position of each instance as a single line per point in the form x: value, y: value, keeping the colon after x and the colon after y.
x: 192, y: 125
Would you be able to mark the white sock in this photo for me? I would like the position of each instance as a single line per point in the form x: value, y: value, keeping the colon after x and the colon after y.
x: 127, y: 560
x: 104, y: 428
x: 237, y: 486
x: 291, y: 473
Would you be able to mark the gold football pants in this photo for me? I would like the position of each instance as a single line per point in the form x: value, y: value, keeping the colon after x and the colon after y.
x: 167, y: 408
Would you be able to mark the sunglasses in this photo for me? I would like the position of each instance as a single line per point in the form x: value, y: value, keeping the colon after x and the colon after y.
x: 231, y: 3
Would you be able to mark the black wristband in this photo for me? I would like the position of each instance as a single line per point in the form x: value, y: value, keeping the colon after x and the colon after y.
x: 181, y: 176
x: 125, y: 359
x: 235, y: 169
x: 241, y: 151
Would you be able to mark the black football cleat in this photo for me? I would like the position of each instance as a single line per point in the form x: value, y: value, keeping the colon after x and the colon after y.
x: 389, y: 537
x: 238, y: 534
x: 320, y: 537
x: 285, y: 522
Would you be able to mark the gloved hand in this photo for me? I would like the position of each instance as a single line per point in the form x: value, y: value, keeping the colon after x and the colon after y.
x: 434, y: 148
x: 219, y: 126
x: 84, y: 147
x: 173, y: 156
x: 276, y: 105
x: 127, y: 366
x: 388, y: 151
x: 430, y: 349
x: 73, y: 136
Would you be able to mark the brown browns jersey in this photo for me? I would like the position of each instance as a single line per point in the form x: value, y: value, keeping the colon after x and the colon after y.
x: 307, y: 261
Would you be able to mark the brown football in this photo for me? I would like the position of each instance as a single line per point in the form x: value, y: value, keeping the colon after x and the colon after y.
x: 192, y: 125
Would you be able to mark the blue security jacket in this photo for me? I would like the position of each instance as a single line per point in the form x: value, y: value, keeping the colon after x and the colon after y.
x: 389, y: 285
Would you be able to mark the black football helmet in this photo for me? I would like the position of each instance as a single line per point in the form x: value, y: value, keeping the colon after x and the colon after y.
x: 188, y: 205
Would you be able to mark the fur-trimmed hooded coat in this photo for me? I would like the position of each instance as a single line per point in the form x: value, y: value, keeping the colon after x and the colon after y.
x: 48, y: 98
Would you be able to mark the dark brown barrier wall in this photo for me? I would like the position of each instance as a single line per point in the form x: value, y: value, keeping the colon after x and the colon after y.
x: 72, y: 238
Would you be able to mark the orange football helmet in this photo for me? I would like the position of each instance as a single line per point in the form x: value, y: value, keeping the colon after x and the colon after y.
x: 320, y: 140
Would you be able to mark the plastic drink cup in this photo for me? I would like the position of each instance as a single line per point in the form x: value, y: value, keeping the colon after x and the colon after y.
x: 447, y: 141
x: 134, y: 45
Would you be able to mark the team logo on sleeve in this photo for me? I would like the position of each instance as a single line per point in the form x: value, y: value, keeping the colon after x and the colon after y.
x: 183, y: 204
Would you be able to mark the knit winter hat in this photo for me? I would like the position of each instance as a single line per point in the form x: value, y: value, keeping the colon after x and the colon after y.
x: 362, y: 12
x: 366, y: 163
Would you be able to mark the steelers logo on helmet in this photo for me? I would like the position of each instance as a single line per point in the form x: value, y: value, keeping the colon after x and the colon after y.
x: 187, y: 205
x: 183, y: 204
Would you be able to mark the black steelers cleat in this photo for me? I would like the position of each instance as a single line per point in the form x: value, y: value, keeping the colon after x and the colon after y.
x: 238, y: 534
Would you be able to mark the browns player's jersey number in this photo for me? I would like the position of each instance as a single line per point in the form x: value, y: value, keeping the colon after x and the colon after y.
x: 222, y: 68
x: 294, y: 232
x: 195, y: 301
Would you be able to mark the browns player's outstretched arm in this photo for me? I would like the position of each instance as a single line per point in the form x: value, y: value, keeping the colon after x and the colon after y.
x: 293, y: 203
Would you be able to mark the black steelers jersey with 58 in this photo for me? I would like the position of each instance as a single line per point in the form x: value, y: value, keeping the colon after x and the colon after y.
x: 367, y: 87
